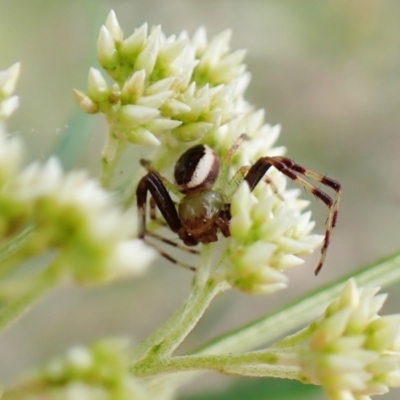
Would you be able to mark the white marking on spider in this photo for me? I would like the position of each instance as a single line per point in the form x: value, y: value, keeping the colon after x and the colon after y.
x: 203, y: 168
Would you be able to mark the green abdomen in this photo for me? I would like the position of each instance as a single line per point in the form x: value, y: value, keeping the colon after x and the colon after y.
x: 198, y: 211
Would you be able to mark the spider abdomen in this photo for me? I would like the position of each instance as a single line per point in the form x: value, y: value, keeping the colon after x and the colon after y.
x: 198, y: 212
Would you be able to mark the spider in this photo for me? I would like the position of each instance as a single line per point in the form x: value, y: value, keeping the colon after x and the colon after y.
x: 203, y: 212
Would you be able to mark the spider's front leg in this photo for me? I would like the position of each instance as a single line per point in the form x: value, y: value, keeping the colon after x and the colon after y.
x: 294, y: 171
x: 152, y: 183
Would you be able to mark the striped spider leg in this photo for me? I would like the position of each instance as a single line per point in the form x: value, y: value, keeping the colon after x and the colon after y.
x: 296, y: 172
x: 160, y: 198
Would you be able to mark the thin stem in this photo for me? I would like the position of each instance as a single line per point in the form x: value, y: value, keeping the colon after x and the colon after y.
x: 157, y: 337
x: 271, y: 371
x: 110, y: 156
x: 14, y: 243
x: 219, y: 363
x: 167, y: 338
x: 300, y: 312
x: 47, y: 279
x: 204, y: 290
x: 200, y: 301
x: 19, y: 249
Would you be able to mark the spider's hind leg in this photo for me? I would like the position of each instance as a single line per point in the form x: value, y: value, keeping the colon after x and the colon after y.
x: 169, y: 242
x: 172, y: 243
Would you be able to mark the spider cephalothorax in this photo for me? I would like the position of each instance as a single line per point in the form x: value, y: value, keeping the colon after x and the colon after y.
x: 203, y: 212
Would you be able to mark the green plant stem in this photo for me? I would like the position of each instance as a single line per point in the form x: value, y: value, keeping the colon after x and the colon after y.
x: 10, y: 253
x: 219, y: 363
x: 47, y: 279
x: 157, y: 337
x: 199, y: 302
x: 167, y: 338
x: 110, y: 156
x: 271, y: 371
x: 17, y: 250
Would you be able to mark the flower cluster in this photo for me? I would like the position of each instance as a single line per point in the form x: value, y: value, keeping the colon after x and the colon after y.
x: 99, y: 371
x: 69, y: 212
x: 352, y: 351
x: 267, y: 237
x: 166, y: 89
x: 173, y: 92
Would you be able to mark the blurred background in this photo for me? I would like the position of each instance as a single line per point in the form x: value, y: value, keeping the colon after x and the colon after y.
x: 328, y: 71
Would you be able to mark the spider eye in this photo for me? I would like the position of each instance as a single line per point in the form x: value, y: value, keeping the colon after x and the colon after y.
x: 197, y: 168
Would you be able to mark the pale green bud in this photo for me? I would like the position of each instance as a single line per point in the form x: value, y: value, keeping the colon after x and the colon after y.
x: 85, y: 103
x: 97, y: 86
x: 174, y: 107
x: 190, y: 132
x: 162, y: 125
x: 133, y: 44
x: 142, y: 136
x: 133, y: 87
x: 106, y: 51
x: 148, y: 56
x: 113, y: 27
x: 160, y: 86
x: 170, y: 51
x: 133, y: 115
x: 155, y: 100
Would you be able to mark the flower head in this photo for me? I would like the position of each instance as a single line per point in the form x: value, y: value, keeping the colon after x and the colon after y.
x: 267, y: 236
x: 98, y: 371
x: 71, y: 213
x: 353, y: 352
x: 166, y: 89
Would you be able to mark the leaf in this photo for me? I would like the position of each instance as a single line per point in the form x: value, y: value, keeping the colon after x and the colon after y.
x: 262, y: 389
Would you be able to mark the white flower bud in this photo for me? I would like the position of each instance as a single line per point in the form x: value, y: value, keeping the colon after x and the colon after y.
x: 190, y: 132
x: 148, y: 56
x: 135, y: 115
x: 160, y: 86
x: 170, y: 51
x: 142, y: 136
x: 97, y: 86
x: 106, y: 51
x: 85, y: 103
x: 133, y: 44
x: 162, y: 125
x: 155, y: 100
x: 133, y: 87
x: 113, y: 27
x: 175, y: 107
